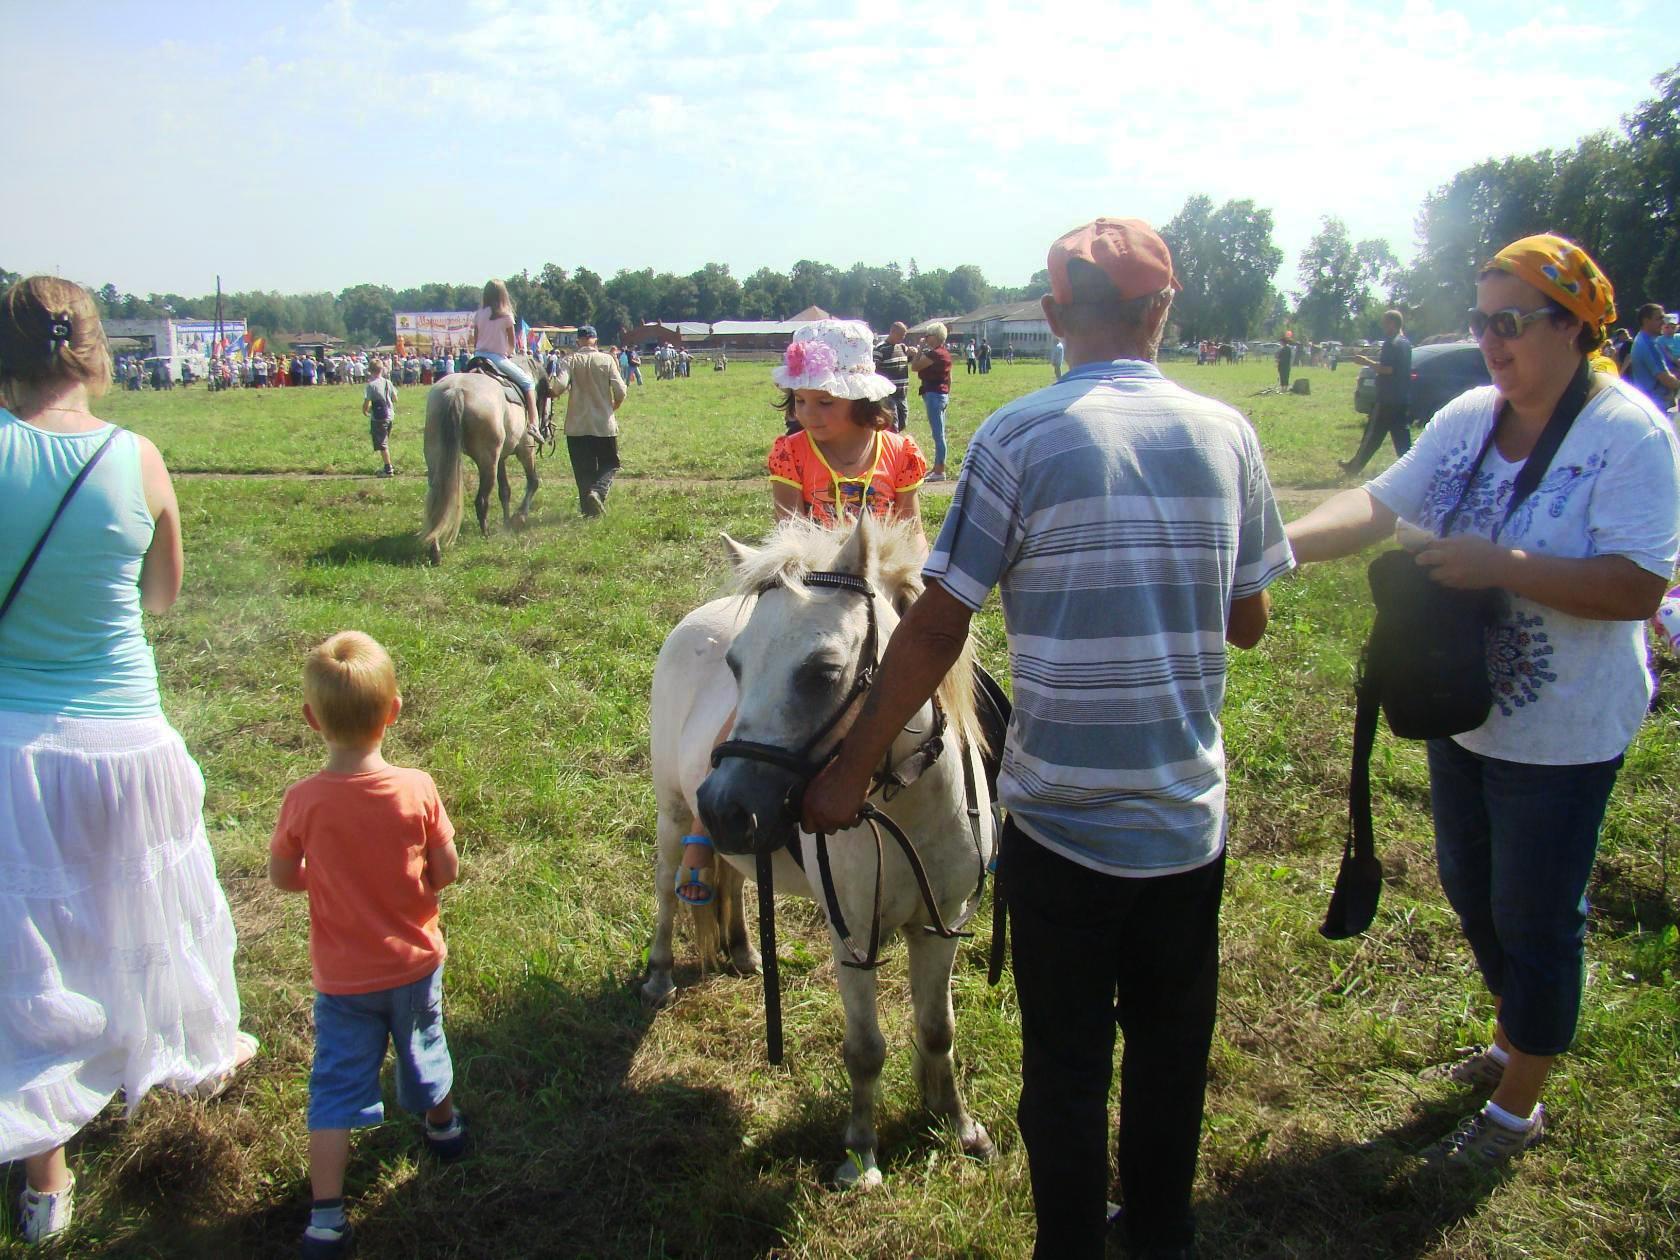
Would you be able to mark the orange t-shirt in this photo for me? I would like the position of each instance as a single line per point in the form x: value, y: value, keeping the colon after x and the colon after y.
x: 373, y: 919
x: 898, y: 467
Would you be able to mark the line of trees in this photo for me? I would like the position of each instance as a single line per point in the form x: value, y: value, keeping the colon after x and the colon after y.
x: 1617, y: 193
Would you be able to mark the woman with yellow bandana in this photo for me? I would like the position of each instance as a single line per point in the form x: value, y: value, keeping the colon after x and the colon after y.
x: 1583, y: 561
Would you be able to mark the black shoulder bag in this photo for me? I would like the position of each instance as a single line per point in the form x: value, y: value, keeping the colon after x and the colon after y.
x: 63, y: 503
x: 1425, y: 665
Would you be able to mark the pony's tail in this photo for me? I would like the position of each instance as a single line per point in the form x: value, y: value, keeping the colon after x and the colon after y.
x: 443, y: 479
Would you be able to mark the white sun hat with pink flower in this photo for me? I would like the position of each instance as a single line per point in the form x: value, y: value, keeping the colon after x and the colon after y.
x: 836, y: 356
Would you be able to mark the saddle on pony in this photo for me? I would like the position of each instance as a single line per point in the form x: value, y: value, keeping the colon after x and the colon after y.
x: 488, y: 367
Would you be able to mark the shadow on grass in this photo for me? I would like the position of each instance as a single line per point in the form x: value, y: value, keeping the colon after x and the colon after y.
x: 569, y: 1157
x: 1374, y: 1199
x: 397, y: 549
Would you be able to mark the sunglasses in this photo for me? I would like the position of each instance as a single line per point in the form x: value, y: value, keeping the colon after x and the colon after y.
x: 1507, y: 324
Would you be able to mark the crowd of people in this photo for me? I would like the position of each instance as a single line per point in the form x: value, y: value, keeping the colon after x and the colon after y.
x: 1131, y: 530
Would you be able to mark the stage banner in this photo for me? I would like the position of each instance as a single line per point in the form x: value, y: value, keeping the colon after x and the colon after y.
x: 427, y: 332
x: 196, y: 338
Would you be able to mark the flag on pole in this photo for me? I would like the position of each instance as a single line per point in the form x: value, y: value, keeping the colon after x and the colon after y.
x: 259, y: 345
x: 525, y: 338
x: 544, y: 344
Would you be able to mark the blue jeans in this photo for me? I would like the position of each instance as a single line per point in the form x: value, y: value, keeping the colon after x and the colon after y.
x: 1515, y: 845
x: 350, y: 1035
x: 936, y: 423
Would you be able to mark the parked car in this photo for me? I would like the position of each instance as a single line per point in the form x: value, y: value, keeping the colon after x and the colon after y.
x: 1440, y: 373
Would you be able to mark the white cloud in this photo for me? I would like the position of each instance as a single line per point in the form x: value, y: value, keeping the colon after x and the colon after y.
x: 757, y: 133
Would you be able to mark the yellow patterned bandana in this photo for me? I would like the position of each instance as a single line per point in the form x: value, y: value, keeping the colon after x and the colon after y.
x: 1565, y: 273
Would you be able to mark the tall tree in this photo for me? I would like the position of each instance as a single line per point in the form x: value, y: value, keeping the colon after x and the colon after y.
x: 764, y: 295
x: 966, y: 289
x: 812, y: 284
x: 1336, y: 278
x: 1225, y: 260
x: 640, y: 292
x: 582, y: 294
x: 368, y: 313
x: 717, y: 293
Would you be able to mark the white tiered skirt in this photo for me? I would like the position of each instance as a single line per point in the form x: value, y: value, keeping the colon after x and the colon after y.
x: 116, y: 945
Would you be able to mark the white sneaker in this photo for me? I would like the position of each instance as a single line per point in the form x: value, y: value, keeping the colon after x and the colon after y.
x: 44, y: 1215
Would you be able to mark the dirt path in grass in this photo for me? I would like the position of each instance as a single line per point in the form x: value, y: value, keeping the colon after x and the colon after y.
x: 1301, y: 497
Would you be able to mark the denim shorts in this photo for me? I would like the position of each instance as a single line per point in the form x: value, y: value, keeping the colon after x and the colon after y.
x: 1515, y: 844
x: 350, y: 1035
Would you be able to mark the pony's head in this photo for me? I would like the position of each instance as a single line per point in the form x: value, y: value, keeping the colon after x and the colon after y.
x: 797, y: 660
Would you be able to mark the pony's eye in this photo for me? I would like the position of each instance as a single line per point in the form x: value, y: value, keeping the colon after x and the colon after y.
x: 819, y: 674
x: 734, y: 665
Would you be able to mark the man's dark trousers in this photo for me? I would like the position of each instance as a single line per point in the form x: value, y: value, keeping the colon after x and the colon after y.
x: 1090, y: 951
x: 1386, y: 420
x: 594, y: 464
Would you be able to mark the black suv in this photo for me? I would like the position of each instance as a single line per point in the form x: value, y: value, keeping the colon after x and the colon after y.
x: 1440, y: 373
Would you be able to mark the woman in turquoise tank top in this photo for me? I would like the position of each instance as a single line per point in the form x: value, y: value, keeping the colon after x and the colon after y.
x: 116, y: 937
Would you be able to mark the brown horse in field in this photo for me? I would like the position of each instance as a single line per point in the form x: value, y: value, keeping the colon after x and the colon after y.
x: 467, y: 412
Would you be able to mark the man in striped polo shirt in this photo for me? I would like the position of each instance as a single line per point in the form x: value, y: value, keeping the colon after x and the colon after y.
x: 1131, y: 529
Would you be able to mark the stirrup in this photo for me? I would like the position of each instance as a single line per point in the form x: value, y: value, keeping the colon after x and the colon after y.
x: 694, y: 880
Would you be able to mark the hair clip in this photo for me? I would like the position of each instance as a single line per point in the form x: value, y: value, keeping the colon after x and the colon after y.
x: 59, y: 332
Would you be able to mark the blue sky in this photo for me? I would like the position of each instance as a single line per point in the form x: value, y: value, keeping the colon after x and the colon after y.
x: 312, y: 146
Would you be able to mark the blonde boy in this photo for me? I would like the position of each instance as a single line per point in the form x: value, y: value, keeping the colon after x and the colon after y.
x: 371, y: 845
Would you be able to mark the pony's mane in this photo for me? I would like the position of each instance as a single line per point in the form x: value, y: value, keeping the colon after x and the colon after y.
x: 798, y: 546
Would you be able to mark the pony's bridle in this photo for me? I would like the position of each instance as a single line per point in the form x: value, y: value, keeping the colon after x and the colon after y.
x: 800, y: 761
x: 806, y: 765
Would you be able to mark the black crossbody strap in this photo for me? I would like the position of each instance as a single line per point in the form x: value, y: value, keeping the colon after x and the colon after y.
x: 1539, y: 459
x: 63, y: 503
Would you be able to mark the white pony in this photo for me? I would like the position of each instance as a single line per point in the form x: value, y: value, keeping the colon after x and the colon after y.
x: 783, y: 656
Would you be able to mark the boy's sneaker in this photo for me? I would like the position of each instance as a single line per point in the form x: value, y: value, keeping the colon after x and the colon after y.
x: 1483, y: 1142
x: 323, y: 1242
x: 42, y: 1215
x: 449, y: 1142
x: 1475, y: 1067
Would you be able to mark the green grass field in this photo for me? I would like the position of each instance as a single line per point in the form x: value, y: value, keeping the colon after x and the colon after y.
x: 606, y: 1131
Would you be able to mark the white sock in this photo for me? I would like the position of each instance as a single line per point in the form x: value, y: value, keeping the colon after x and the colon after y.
x: 1499, y: 1054
x: 1517, y: 1124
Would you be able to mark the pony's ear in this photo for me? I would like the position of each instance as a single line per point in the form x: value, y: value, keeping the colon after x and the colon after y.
x: 740, y: 555
x: 860, y: 555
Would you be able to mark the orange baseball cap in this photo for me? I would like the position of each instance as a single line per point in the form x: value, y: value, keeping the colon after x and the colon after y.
x: 1129, y: 252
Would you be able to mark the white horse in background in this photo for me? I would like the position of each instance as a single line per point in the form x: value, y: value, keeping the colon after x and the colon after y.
x: 783, y: 657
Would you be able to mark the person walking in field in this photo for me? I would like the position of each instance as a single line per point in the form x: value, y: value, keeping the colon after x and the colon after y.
x: 116, y: 944
x: 1131, y: 530
x: 595, y: 393
x: 1285, y: 359
x: 379, y: 405
x: 372, y: 846
x: 1392, y: 414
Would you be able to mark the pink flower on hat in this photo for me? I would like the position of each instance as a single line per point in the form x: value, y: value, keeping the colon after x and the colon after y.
x: 810, y: 358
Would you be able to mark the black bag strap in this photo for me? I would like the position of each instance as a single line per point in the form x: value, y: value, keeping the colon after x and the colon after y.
x: 1361, y: 839
x: 63, y: 503
x: 1539, y: 459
